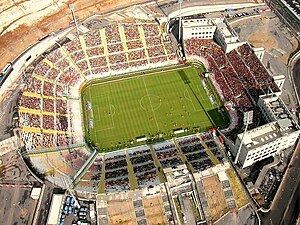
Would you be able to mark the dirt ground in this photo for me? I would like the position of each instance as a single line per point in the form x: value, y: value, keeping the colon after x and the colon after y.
x: 215, y: 197
x: 121, y: 212
x: 154, y: 211
x: 13, y: 43
x: 264, y: 40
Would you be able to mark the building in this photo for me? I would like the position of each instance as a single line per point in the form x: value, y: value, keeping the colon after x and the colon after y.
x: 226, y: 37
x: 55, y: 209
x: 201, y: 27
x: 279, y: 133
x: 211, y: 28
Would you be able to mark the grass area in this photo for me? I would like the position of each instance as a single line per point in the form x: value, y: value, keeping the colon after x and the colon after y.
x: 178, y: 209
x: 118, y: 112
x: 159, y: 172
x: 195, y: 210
x: 132, y: 178
x: 239, y: 194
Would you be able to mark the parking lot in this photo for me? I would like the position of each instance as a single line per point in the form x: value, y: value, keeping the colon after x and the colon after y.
x: 73, y: 213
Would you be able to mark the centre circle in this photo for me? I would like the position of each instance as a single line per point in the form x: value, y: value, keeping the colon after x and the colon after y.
x: 150, y: 102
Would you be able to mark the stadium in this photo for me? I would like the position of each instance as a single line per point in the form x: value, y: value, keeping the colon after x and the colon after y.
x: 126, y: 107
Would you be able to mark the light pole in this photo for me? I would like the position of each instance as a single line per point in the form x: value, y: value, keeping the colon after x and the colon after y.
x: 179, y: 35
x: 72, y: 7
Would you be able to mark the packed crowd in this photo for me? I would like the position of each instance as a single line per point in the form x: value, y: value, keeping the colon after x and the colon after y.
x: 236, y: 74
x: 93, y: 38
x: 231, y: 86
x: 96, y: 51
x: 77, y: 56
x: 257, y: 69
x: 73, y: 46
x: 48, y: 88
x: 112, y: 34
x: 131, y: 32
x: 33, y: 85
x: 135, y: 44
x: 62, y: 68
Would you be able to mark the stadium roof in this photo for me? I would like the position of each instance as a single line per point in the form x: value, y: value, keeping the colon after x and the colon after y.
x: 55, y: 209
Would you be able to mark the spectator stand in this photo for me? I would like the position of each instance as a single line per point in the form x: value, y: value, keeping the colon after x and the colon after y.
x: 228, y: 84
x: 167, y: 154
x: 143, y: 166
x: 93, y: 178
x: 42, y: 166
x: 195, y: 153
x: 116, y: 172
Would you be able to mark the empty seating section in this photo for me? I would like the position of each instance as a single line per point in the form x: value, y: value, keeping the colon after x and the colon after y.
x: 143, y: 167
x: 116, y: 172
x: 75, y: 157
x: 167, y: 155
x: 56, y: 161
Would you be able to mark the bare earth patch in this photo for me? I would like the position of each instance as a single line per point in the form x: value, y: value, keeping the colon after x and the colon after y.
x: 154, y: 211
x: 121, y: 212
x: 215, y: 197
x: 15, y: 42
x: 23, y: 212
x: 264, y: 40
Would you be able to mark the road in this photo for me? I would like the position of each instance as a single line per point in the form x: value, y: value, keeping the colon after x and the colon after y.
x: 281, y: 207
x: 188, y: 211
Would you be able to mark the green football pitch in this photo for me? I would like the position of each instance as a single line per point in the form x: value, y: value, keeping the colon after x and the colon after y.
x: 152, y: 105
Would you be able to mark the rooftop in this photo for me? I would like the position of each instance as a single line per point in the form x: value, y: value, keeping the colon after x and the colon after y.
x: 261, y: 135
x: 279, y: 112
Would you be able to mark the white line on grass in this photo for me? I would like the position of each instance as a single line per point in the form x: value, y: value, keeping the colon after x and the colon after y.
x: 141, y: 75
x: 189, y: 98
x: 151, y: 104
x: 112, y: 118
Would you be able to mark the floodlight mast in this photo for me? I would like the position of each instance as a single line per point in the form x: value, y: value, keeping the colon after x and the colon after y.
x: 179, y: 35
x: 240, y: 147
x: 72, y: 7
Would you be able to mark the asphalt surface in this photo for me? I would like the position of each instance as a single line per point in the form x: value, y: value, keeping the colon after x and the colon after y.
x: 296, y: 74
x: 7, y: 108
x: 286, y: 192
x: 284, y: 14
x: 16, y: 205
